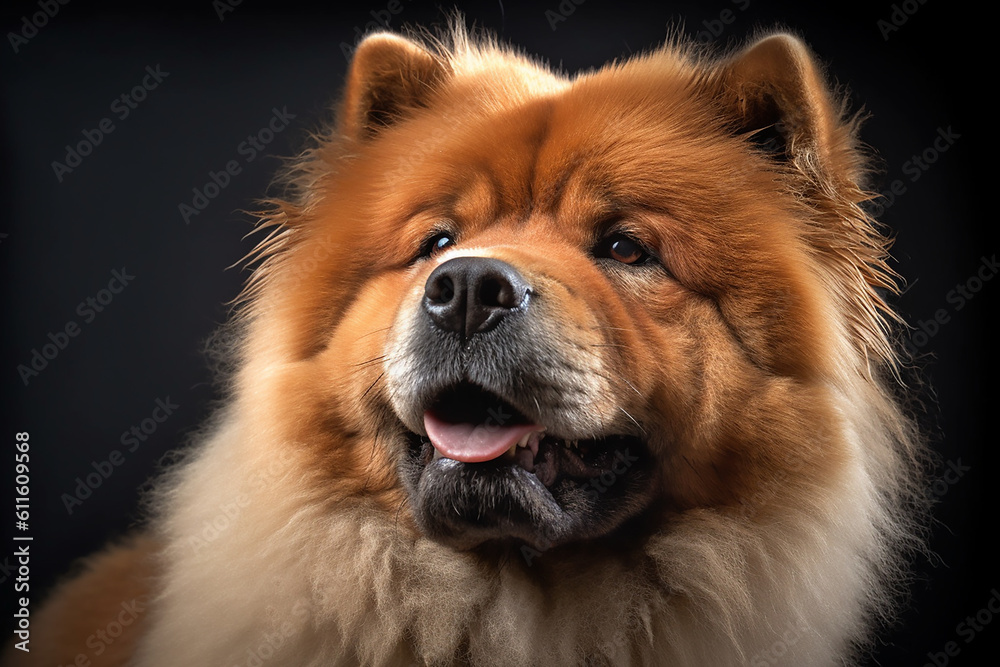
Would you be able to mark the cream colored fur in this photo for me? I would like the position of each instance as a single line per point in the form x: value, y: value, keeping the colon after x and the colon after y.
x: 300, y: 583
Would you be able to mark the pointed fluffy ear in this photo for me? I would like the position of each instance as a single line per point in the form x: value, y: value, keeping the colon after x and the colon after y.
x: 777, y: 90
x: 776, y: 83
x: 388, y: 76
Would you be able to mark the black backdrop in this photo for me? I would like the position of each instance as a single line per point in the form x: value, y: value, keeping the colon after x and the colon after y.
x: 115, y: 288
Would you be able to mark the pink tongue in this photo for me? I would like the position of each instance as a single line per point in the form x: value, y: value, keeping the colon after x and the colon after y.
x: 473, y: 443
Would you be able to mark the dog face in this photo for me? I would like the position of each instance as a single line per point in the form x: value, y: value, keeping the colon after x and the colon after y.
x: 533, y: 310
x: 543, y: 345
x: 513, y: 412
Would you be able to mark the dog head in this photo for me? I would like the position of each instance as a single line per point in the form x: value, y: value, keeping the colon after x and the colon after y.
x: 516, y: 307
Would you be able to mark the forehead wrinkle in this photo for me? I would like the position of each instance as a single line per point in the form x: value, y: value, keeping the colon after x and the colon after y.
x: 512, y: 158
x: 585, y: 197
x: 570, y: 177
x: 537, y: 141
x: 478, y: 199
x: 552, y: 190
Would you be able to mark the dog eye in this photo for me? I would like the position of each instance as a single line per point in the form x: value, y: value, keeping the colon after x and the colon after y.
x: 436, y: 243
x: 622, y: 248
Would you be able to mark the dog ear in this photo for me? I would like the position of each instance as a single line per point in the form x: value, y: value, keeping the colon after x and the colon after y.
x: 778, y: 92
x: 388, y: 76
x: 776, y: 85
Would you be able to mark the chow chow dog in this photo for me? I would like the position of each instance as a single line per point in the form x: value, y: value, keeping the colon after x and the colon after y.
x: 538, y: 369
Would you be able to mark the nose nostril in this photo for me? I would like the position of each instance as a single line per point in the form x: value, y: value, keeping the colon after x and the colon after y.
x: 470, y: 295
x: 497, y: 293
x: 441, y: 290
x: 447, y: 291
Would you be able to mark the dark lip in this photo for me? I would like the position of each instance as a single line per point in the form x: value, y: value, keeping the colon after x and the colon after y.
x: 556, y: 456
x: 553, y: 496
x: 469, y: 504
x: 553, y: 462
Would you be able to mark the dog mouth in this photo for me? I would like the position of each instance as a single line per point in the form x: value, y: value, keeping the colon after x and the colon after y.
x: 486, y: 471
x: 471, y: 425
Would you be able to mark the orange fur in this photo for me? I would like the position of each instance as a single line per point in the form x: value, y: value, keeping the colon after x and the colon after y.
x: 99, y: 614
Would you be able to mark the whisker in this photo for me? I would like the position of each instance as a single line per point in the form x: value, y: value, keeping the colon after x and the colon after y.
x: 395, y: 521
x: 693, y: 468
x: 629, y: 384
x: 372, y: 385
x: 633, y: 419
x: 374, y: 332
x: 370, y: 361
x: 632, y: 387
x: 371, y: 458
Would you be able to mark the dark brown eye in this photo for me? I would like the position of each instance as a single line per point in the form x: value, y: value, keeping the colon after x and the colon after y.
x: 436, y: 243
x: 622, y: 248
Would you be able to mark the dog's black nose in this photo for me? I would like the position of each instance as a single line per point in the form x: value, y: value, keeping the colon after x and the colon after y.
x: 470, y: 295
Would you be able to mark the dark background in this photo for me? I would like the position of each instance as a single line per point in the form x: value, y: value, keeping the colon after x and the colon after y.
x: 61, y: 241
